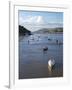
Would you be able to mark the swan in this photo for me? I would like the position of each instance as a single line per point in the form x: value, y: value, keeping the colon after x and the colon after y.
x: 51, y: 63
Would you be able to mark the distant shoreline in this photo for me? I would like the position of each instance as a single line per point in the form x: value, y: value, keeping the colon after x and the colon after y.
x: 50, y: 33
x: 25, y: 32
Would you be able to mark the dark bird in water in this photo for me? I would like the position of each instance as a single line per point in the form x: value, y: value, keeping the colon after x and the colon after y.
x: 45, y: 48
x: 57, y: 41
x: 49, y: 39
x: 28, y: 41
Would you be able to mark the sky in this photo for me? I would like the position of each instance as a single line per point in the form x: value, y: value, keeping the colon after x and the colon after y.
x: 36, y: 20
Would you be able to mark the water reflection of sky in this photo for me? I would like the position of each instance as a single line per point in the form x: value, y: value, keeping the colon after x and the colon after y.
x: 34, y: 49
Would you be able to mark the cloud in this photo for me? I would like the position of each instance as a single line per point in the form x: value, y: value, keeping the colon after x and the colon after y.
x: 31, y: 20
x: 34, y: 23
x: 40, y: 20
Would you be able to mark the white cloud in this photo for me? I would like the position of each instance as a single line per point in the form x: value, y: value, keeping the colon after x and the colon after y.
x: 31, y: 20
x: 34, y: 23
x: 40, y: 20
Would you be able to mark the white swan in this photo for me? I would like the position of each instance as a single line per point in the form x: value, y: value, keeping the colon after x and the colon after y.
x: 51, y: 63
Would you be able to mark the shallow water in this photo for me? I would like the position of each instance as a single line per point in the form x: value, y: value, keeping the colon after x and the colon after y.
x: 33, y: 61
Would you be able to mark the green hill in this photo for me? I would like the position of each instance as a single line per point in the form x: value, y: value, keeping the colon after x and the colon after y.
x: 23, y: 31
x: 50, y: 30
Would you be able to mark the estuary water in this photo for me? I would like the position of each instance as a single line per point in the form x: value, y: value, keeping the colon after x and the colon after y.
x: 33, y: 61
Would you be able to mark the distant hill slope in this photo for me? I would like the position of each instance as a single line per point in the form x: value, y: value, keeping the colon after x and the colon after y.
x: 50, y: 30
x: 23, y: 31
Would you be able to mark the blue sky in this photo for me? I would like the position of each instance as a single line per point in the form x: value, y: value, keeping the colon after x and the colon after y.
x: 35, y: 20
